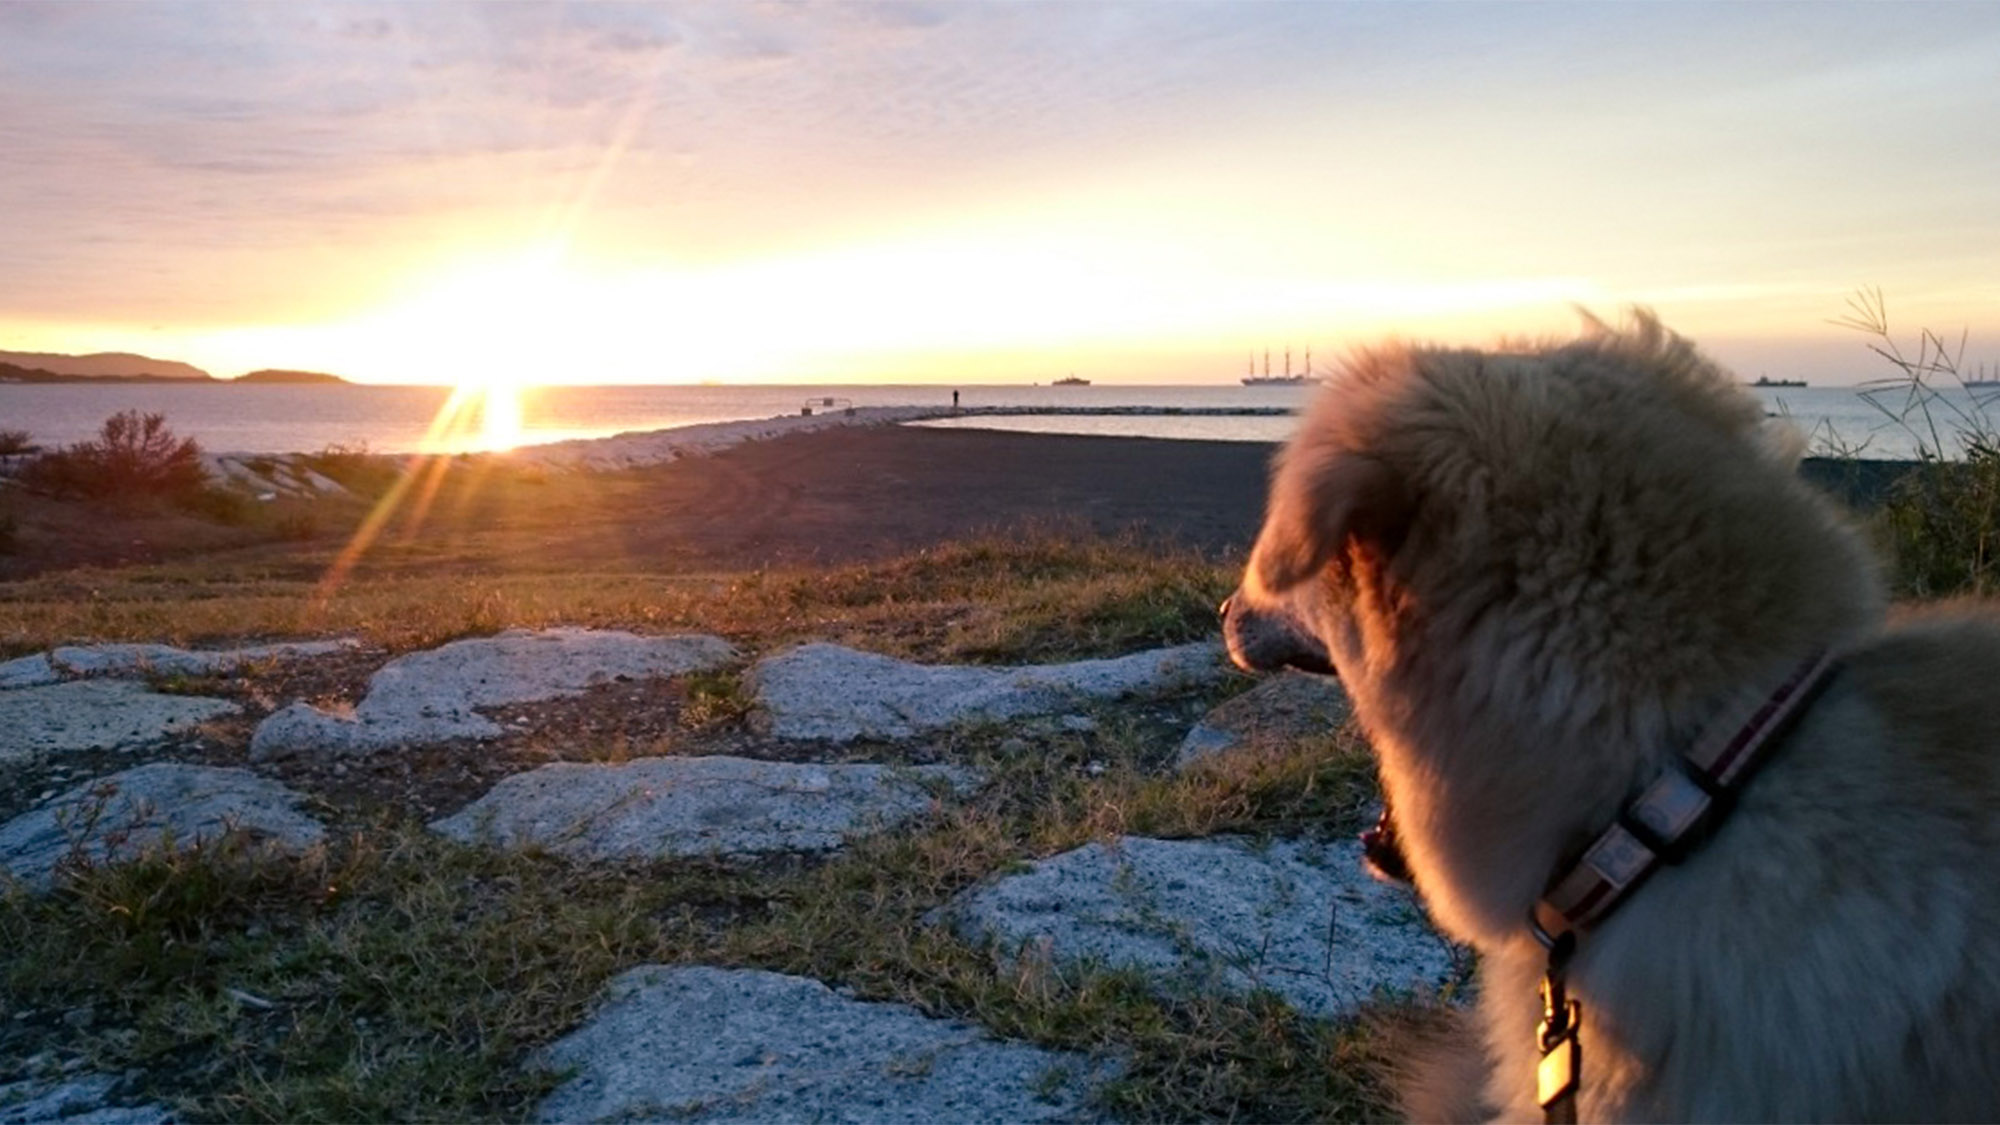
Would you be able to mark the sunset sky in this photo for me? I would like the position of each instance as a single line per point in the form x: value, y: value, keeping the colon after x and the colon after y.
x: 968, y: 192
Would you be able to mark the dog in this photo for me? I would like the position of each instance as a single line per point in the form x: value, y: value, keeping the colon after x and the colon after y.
x: 1543, y: 574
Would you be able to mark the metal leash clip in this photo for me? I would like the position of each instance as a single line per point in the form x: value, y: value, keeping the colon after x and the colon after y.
x: 1561, y: 1068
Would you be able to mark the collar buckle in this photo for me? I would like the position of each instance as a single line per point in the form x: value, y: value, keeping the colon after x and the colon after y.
x: 1676, y: 813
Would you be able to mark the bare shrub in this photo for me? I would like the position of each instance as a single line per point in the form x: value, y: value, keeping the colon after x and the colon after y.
x: 133, y: 456
x: 15, y: 443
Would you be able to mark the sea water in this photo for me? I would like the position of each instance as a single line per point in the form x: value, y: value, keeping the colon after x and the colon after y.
x: 281, y: 418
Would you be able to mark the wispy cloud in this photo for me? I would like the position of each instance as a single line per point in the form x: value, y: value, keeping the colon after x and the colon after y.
x: 228, y: 162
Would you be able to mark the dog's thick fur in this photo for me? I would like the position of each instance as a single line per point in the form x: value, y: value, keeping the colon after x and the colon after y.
x: 1539, y: 573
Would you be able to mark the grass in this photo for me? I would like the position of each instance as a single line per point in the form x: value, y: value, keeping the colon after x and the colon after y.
x: 396, y: 976
x: 1037, y: 599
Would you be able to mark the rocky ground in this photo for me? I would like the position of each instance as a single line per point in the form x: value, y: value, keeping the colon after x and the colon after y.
x: 606, y: 747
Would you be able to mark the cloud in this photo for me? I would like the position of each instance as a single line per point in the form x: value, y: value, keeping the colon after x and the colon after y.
x: 185, y: 157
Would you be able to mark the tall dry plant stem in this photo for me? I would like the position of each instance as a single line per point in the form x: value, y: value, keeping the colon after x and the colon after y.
x: 1941, y: 520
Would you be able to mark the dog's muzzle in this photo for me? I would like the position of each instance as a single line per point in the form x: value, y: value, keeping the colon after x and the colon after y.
x: 1266, y: 642
x: 1262, y: 642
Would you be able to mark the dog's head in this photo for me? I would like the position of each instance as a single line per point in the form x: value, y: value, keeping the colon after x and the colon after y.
x: 1330, y: 515
x: 1530, y: 568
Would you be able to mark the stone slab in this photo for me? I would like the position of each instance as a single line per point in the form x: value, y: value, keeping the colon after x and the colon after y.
x: 825, y: 691
x: 710, y: 806
x: 433, y: 696
x: 121, y: 816
x: 1299, y: 919
x: 268, y: 476
x: 1285, y: 707
x: 699, y: 1044
x: 96, y: 715
x: 82, y: 1099
x: 27, y: 671
x: 167, y: 660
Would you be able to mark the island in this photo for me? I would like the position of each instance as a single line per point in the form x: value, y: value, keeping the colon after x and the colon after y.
x: 279, y: 375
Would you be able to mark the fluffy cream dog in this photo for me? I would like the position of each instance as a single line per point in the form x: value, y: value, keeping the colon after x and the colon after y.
x: 1542, y: 574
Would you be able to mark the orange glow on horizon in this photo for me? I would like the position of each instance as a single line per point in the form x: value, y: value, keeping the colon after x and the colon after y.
x: 944, y: 306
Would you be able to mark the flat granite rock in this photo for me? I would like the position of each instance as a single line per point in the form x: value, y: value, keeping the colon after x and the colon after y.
x: 121, y: 816
x: 80, y: 1099
x: 27, y: 671
x: 433, y: 696
x: 711, y: 806
x: 825, y: 691
x: 1299, y: 919
x: 699, y: 1044
x: 167, y: 660
x: 96, y: 715
x: 1285, y: 707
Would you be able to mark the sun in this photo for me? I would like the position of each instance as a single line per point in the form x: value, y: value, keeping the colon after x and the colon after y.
x: 489, y: 328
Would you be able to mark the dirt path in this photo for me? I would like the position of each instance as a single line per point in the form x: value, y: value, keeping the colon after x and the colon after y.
x: 842, y: 496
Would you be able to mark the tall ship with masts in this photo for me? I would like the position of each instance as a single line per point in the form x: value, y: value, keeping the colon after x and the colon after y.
x: 1252, y: 379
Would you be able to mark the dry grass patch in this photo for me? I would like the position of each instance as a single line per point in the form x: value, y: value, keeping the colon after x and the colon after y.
x: 1030, y: 600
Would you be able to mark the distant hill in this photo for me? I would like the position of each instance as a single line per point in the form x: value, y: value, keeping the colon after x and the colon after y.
x: 102, y: 365
x: 279, y: 375
x: 14, y: 373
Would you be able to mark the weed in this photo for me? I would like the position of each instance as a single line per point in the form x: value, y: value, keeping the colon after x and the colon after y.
x: 715, y: 698
x: 1940, y: 520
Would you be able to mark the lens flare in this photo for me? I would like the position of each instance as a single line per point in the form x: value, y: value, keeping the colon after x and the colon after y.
x: 473, y: 419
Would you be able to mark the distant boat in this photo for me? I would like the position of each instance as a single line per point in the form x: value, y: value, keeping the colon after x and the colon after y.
x: 1767, y: 381
x: 1286, y: 380
x: 1070, y: 381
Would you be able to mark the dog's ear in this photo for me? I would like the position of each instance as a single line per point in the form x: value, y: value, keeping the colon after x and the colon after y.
x: 1321, y: 504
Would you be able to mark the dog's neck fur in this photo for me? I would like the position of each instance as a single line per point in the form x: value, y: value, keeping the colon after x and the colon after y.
x: 1563, y: 696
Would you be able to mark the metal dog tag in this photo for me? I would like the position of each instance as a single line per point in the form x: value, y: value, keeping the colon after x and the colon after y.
x: 1561, y: 1069
x: 1556, y: 1077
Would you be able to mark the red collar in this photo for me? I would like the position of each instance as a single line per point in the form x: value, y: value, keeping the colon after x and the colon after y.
x: 1680, y: 808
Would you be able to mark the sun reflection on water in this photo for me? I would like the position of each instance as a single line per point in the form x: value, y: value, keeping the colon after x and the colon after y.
x: 484, y: 418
